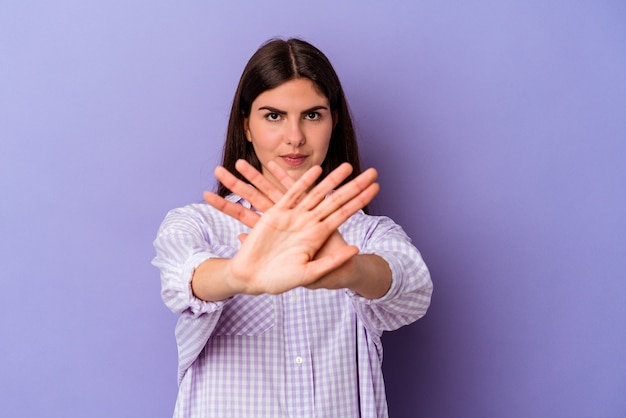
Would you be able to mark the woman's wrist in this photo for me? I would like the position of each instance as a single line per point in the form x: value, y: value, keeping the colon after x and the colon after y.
x: 210, y: 281
x: 371, y: 276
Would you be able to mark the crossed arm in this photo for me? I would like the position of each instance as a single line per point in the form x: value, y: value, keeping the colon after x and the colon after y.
x: 295, y: 242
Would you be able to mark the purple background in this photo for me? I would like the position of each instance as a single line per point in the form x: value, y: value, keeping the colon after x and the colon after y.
x: 499, y: 129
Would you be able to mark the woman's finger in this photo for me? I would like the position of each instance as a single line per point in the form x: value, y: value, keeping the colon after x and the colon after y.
x: 340, y: 215
x: 243, y: 189
x: 254, y: 176
x: 280, y: 174
x: 347, y: 193
x: 300, y: 187
x: 242, y: 214
x: 327, y: 185
x: 324, y: 265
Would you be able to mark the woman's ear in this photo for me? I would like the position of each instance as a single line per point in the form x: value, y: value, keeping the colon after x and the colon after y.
x: 246, y: 129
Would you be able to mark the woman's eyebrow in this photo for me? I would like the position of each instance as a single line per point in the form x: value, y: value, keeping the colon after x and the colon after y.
x: 273, y: 110
x: 284, y: 112
x: 314, y: 108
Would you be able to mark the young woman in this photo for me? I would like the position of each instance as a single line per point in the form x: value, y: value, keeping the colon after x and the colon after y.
x: 283, y: 285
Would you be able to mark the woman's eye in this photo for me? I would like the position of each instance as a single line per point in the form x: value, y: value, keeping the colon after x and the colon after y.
x: 313, y: 116
x: 273, y: 117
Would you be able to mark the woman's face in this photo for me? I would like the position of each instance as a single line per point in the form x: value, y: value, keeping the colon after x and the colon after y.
x: 291, y: 125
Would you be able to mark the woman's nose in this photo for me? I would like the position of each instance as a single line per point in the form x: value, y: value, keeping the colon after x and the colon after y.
x: 295, y: 134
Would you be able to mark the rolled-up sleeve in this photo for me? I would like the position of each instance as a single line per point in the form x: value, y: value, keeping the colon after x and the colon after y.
x: 185, y: 239
x: 409, y: 295
x: 181, y: 246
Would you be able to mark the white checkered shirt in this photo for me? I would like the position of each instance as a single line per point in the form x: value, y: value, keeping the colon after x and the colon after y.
x: 304, y: 353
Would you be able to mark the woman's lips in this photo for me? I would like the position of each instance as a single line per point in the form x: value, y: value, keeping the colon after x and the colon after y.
x: 293, y: 160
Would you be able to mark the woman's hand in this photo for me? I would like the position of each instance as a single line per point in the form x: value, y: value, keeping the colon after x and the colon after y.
x: 263, y: 196
x: 289, y: 244
x: 337, y: 278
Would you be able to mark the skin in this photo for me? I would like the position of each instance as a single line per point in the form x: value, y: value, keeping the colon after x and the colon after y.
x: 295, y: 242
x: 290, y: 125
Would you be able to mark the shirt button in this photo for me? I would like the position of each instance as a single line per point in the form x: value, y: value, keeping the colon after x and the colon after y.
x: 299, y: 360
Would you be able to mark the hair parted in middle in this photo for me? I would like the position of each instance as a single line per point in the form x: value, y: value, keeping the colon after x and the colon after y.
x: 274, y: 63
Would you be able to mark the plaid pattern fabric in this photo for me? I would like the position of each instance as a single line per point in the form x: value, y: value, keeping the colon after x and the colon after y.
x: 304, y: 353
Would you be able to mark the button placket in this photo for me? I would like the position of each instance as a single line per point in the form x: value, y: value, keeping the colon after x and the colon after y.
x: 299, y: 389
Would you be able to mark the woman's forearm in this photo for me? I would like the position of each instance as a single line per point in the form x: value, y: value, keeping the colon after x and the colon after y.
x: 370, y: 276
x: 210, y: 280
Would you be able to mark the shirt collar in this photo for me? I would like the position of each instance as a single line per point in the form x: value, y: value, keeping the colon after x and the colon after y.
x: 235, y: 198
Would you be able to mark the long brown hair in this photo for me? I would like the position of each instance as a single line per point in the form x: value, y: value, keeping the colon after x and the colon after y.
x: 274, y: 63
